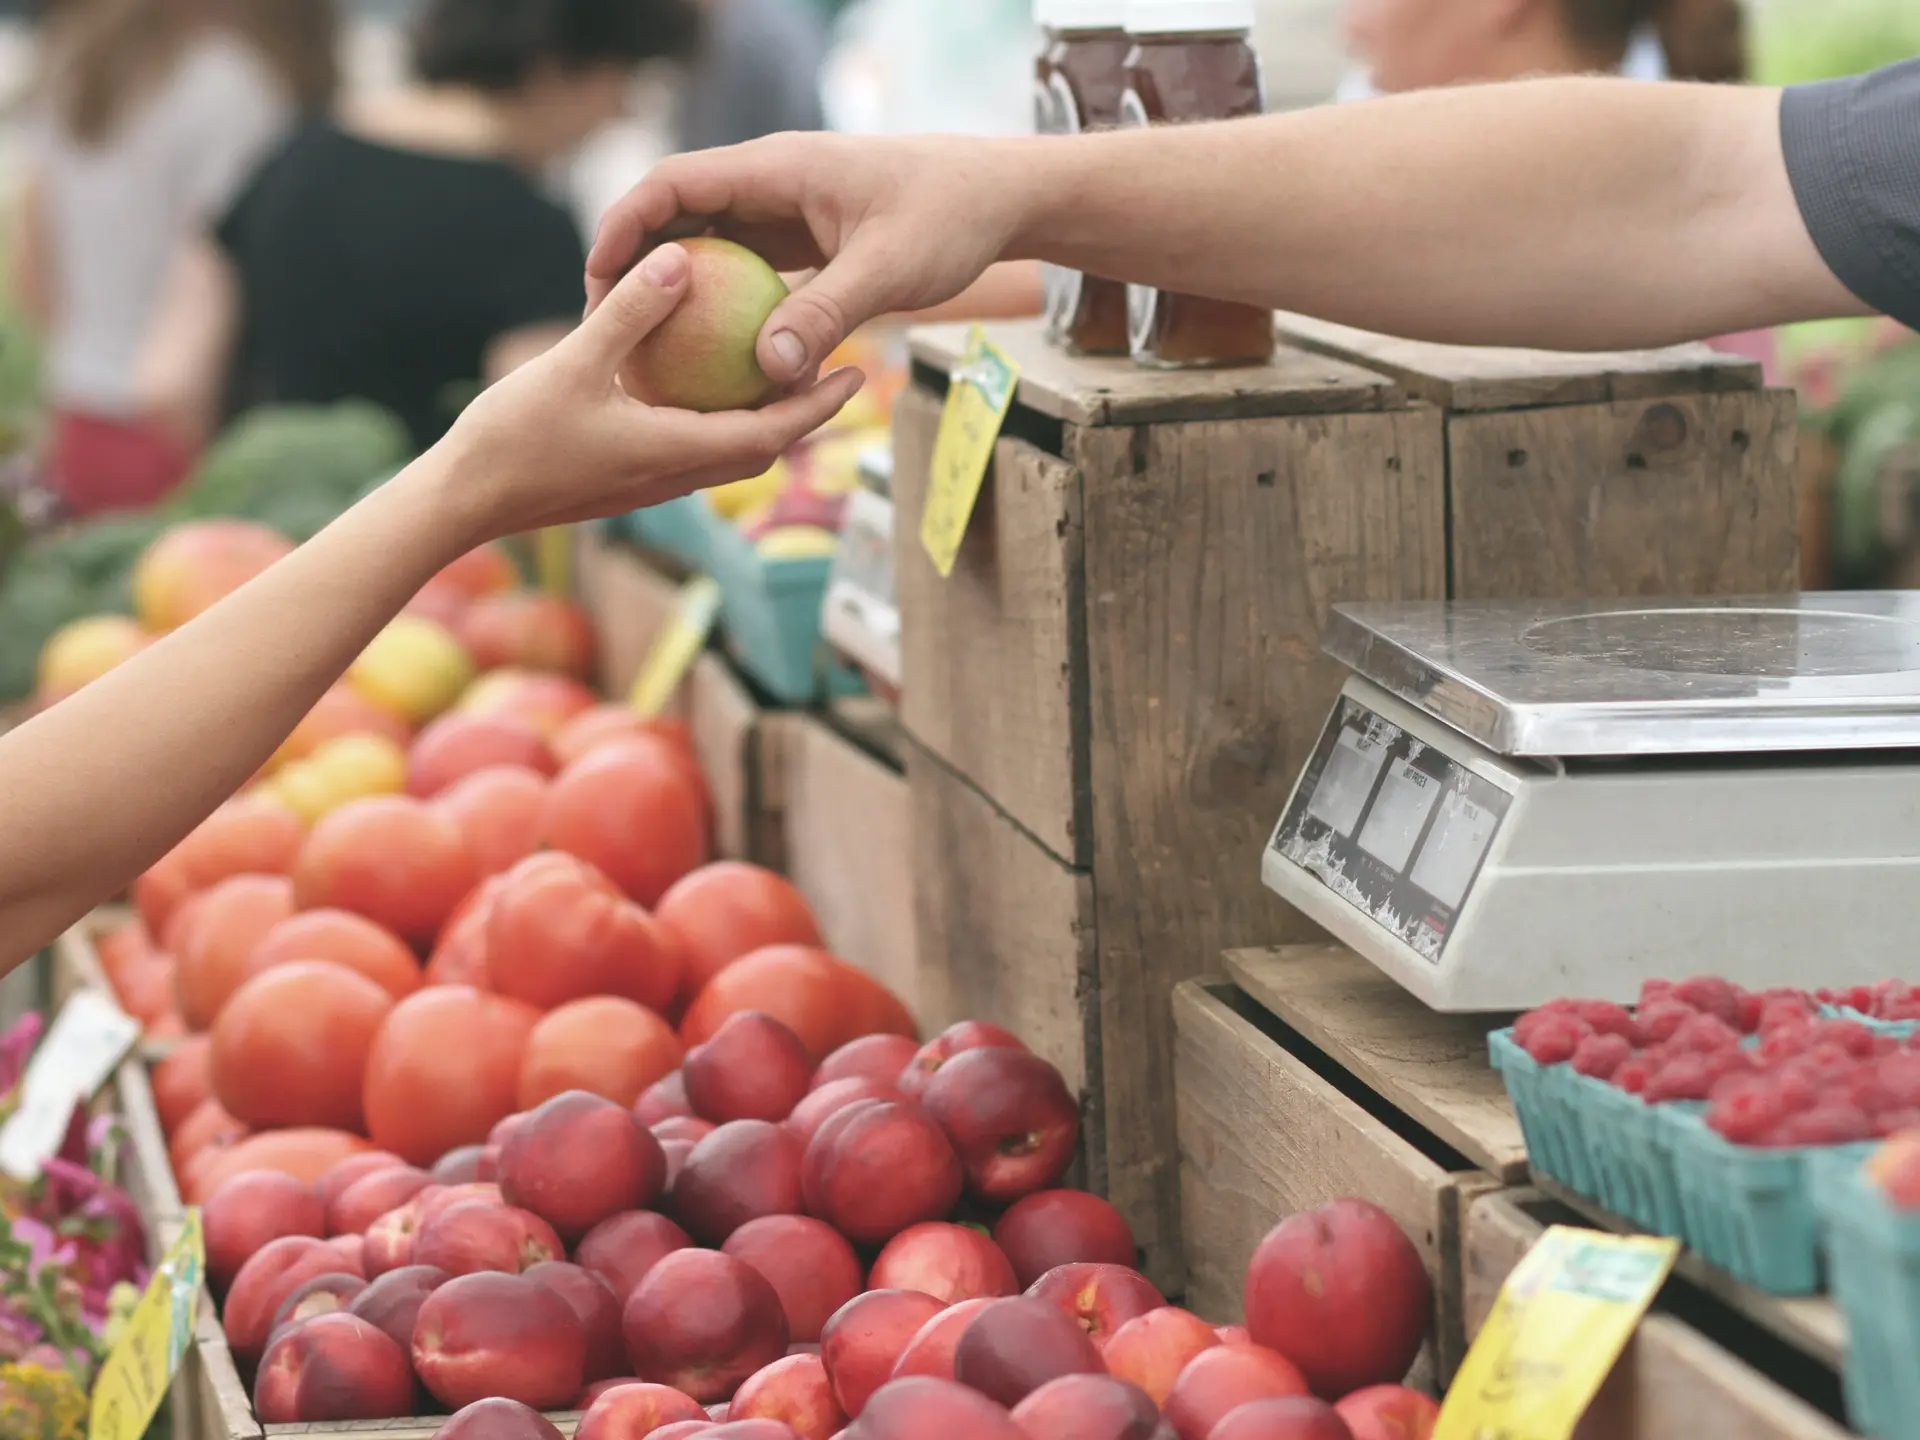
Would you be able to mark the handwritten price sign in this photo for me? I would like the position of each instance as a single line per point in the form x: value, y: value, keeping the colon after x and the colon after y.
x: 978, y: 399
x: 144, y: 1360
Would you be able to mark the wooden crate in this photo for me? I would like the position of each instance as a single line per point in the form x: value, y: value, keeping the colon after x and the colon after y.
x: 1120, y: 681
x: 1661, y: 472
x: 1269, y: 1127
x: 848, y: 840
x: 1673, y: 1381
x: 742, y: 748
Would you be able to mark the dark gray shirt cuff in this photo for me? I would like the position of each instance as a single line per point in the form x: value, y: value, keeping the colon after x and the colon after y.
x: 1853, y: 157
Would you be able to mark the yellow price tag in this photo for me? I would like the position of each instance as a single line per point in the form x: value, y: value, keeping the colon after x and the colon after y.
x: 676, y: 647
x: 978, y: 399
x: 141, y: 1366
x: 1560, y: 1323
x: 553, y: 554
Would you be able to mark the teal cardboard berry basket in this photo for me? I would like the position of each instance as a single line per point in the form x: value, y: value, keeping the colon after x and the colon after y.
x: 674, y: 527
x: 1874, y: 1264
x: 770, y: 610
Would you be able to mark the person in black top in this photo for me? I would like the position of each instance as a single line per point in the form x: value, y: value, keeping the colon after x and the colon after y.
x: 405, y: 253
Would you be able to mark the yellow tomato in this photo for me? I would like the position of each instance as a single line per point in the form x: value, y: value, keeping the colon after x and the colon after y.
x: 84, y: 650
x: 414, y: 669
x: 350, y: 768
x: 730, y: 502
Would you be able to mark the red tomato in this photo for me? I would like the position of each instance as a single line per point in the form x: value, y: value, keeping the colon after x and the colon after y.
x: 500, y: 810
x: 345, y: 939
x: 182, y: 1081
x: 823, y: 1000
x: 529, y: 630
x: 593, y: 728
x: 729, y: 909
x: 390, y: 858
x: 558, y: 930
x: 604, y: 1045
x: 228, y: 922
x: 456, y: 746
x: 290, y: 1048
x: 460, y: 957
x: 630, y: 808
x: 444, y: 1070
x: 306, y: 1154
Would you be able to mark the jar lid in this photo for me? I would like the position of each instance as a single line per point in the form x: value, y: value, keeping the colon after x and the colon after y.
x: 1184, y: 17
x: 1080, y: 14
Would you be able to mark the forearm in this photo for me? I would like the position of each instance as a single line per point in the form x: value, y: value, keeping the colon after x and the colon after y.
x: 106, y: 782
x: 1574, y: 214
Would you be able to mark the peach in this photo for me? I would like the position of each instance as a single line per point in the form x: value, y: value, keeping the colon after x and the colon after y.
x: 681, y: 1429
x: 390, y: 1240
x: 1101, y: 1297
x: 758, y: 1428
x: 578, y: 1159
x: 333, y: 1367
x: 865, y: 1338
x: 1289, y: 1417
x: 1389, y: 1412
x: 249, y: 1211
x: 814, y: 1110
x: 634, y: 1408
x: 754, y: 1068
x: 702, y: 1322
x: 1063, y: 1227
x: 491, y: 1334
x: 623, y: 1248
x: 810, y: 1265
x: 794, y: 1390
x: 1221, y: 1380
x: 1011, y: 1118
x: 353, y: 1253
x: 479, y: 1235
x: 593, y: 1304
x: 335, y: 1182
x: 1090, y: 1407
x: 879, y: 1058
x: 745, y: 1170
x: 877, y: 1167
x: 662, y: 1100
x: 321, y: 1295
x: 498, y: 1419
x: 930, y: 1352
x: 954, y: 1040
x: 690, y: 1128
x: 1152, y: 1349
x: 1013, y: 1347
x: 392, y: 1302
x: 262, y: 1285
x: 1342, y: 1293
x: 923, y: 1406
x: 949, y: 1262
x: 371, y: 1196
x: 677, y: 1153
x: 461, y: 1166
x: 436, y: 1201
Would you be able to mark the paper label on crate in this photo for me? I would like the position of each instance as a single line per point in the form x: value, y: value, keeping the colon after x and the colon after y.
x: 978, y: 399
x: 144, y: 1360
x: 1559, y: 1324
x: 90, y: 1036
x: 677, y: 646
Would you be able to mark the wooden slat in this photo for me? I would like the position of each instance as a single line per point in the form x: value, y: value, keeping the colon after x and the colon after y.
x: 849, y: 846
x: 630, y: 600
x: 1081, y: 391
x: 993, y: 655
x: 1432, y: 1066
x: 732, y: 736
x: 1681, y: 495
x: 1462, y: 377
x: 1213, y: 555
x: 1673, y: 1383
x: 1263, y: 1137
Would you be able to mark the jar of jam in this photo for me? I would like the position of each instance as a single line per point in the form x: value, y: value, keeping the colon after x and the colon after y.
x: 1079, y: 79
x: 1192, y: 60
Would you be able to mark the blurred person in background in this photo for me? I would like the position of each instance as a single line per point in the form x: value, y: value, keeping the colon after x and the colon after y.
x: 406, y: 252
x: 757, y: 73
x: 147, y: 116
x: 1420, y: 44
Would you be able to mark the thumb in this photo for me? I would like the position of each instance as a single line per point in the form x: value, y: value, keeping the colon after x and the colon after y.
x: 811, y: 323
x: 628, y: 312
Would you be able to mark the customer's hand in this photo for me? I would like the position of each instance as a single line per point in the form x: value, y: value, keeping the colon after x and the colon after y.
x: 558, y: 440
x: 893, y: 224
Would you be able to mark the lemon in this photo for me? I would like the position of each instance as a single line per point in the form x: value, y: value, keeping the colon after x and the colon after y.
x: 414, y: 669
x: 730, y: 502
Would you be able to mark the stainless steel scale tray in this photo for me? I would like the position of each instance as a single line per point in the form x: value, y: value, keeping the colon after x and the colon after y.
x: 1582, y: 678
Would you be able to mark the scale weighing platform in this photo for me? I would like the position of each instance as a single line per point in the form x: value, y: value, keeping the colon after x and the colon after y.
x: 1518, y: 800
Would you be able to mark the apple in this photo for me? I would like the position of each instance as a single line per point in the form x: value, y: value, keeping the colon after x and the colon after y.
x: 490, y: 1334
x: 1152, y: 1349
x: 863, y: 1341
x: 1063, y: 1227
x: 1342, y: 1293
x: 949, y: 1262
x: 745, y: 1170
x: 623, y: 1248
x: 1011, y: 1118
x: 794, y: 1390
x: 809, y: 1264
x: 1090, y: 1407
x: 249, y: 1211
x: 954, y: 1040
x: 392, y: 1302
x: 1291, y: 1417
x: 1101, y: 1297
x: 263, y: 1284
x: 478, y: 1235
x: 702, y: 356
x: 754, y: 1068
x: 321, y: 1295
x: 820, y: 1104
x: 578, y: 1159
x: 371, y: 1196
x: 333, y: 1367
x: 627, y: 1411
x: 498, y: 1419
x: 921, y: 1406
x: 1013, y: 1347
x: 879, y: 1058
x: 702, y: 1321
x: 1219, y: 1381
x: 1389, y: 1412
x: 592, y: 1301
x: 877, y: 1167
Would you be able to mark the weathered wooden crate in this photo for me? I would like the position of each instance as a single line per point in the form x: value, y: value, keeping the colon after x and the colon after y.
x: 1270, y: 1124
x: 848, y: 838
x: 1675, y: 1379
x: 1659, y: 472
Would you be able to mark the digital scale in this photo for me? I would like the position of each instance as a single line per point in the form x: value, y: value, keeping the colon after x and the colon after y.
x: 1514, y: 801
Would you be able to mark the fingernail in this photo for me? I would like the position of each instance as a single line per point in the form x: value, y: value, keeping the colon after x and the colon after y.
x: 666, y: 266
x: 790, y: 350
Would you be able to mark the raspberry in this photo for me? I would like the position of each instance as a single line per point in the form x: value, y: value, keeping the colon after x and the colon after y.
x: 1899, y: 1076
x: 1600, y: 1055
x: 1547, y: 1014
x: 1633, y: 1075
x: 1744, y: 1113
x: 1654, y: 991
x: 1907, y: 1009
x: 1713, y: 995
x: 1829, y: 1124
x: 1554, y: 1039
x: 1606, y: 1018
x: 1684, y: 1077
x: 1706, y: 1034
x: 1796, y: 1089
x: 1826, y: 1066
x: 1893, y: 1122
x: 1849, y: 1035
x: 1662, y: 1018
x: 1784, y: 1042
x: 1750, y: 1008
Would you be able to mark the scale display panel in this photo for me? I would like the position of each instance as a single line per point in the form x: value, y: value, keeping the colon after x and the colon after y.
x: 1392, y: 825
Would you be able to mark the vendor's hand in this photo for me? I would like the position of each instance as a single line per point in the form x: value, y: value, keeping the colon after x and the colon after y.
x: 894, y: 224
x: 558, y: 440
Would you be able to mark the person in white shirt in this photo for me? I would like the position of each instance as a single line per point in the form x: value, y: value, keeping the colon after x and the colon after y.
x: 147, y: 117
